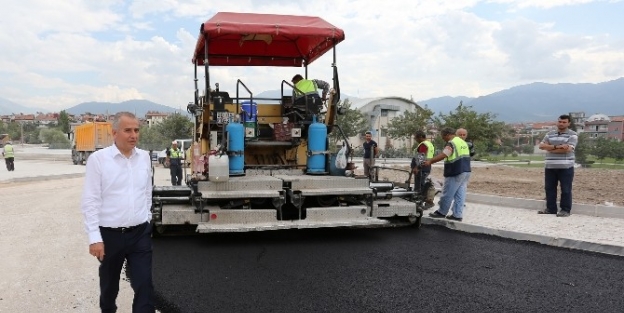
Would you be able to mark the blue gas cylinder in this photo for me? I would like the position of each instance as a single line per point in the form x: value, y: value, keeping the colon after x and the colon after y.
x: 236, y: 147
x: 317, y: 143
x: 250, y: 111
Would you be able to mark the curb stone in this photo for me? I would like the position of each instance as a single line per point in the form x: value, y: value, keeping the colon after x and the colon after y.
x: 41, y: 178
x: 531, y: 204
x: 546, y: 240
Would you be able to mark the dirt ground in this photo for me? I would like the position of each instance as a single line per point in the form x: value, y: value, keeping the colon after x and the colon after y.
x: 591, y: 186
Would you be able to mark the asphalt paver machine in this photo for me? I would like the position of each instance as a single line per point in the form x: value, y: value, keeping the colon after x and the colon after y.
x: 264, y: 163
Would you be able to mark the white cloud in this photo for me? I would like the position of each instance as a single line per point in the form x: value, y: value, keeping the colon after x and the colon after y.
x: 116, y: 50
x: 546, y: 4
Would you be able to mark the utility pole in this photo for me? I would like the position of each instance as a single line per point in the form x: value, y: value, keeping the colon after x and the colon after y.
x: 22, y: 133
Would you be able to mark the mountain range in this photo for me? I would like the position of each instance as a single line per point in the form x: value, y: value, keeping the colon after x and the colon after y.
x: 531, y: 102
x: 541, y: 101
x: 138, y: 107
x: 8, y: 107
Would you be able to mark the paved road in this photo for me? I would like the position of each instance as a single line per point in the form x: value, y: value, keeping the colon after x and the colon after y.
x: 380, y: 270
x: 46, y: 267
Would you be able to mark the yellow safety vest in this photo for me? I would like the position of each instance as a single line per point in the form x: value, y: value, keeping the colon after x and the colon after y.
x: 430, y: 149
x: 459, y: 161
x: 305, y: 87
x: 8, y: 151
x: 174, y: 154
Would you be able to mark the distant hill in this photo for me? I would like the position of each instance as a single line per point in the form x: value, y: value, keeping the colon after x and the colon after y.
x: 444, y: 104
x: 541, y: 101
x: 138, y: 107
x: 8, y: 107
x: 532, y: 102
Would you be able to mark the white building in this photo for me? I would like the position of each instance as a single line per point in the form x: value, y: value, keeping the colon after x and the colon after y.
x: 154, y: 118
x: 379, y: 112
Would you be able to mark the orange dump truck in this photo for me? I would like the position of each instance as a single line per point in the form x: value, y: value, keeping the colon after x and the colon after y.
x: 89, y: 138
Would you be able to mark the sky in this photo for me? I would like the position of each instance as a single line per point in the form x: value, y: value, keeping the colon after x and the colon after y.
x: 56, y: 54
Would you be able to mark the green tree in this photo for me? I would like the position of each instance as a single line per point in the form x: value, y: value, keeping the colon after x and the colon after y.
x: 482, y: 127
x: 404, y: 126
x: 63, y: 122
x: 352, y: 122
x: 151, y: 139
x: 583, y: 149
x: 618, y: 150
x: 602, y: 148
x: 175, y: 126
x: 33, y: 137
x: 507, y: 150
x: 527, y: 149
x: 55, y: 139
x: 14, y: 131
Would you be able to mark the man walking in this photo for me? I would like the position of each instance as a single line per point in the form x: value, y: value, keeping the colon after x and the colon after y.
x: 559, y: 166
x: 175, y: 157
x: 370, y: 153
x: 116, y: 204
x: 456, y: 156
x: 9, y: 156
x: 424, y: 151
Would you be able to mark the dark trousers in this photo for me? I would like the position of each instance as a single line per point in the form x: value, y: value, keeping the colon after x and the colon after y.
x: 313, y: 103
x: 176, y: 174
x: 10, y: 165
x: 562, y: 177
x: 134, y: 247
x: 420, y: 179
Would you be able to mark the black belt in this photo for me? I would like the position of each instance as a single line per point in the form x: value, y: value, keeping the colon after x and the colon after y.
x: 122, y: 229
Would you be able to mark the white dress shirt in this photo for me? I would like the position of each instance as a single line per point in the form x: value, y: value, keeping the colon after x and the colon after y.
x: 117, y: 190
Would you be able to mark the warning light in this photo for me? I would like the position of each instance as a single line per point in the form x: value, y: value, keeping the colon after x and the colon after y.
x: 213, y: 216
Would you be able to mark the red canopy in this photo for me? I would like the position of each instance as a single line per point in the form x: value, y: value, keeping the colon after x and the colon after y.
x: 247, y: 39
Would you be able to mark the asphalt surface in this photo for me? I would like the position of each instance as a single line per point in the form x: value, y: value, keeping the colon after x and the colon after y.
x: 380, y: 270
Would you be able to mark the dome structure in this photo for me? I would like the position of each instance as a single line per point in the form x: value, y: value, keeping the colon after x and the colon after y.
x: 598, y: 117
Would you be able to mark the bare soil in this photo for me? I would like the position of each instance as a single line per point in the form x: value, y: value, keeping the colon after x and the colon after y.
x: 591, y: 186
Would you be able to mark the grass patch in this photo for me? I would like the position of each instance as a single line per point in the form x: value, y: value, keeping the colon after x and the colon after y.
x: 534, y: 165
x: 608, y: 166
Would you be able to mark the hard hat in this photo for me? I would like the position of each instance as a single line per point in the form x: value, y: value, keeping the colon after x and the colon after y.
x: 174, y: 142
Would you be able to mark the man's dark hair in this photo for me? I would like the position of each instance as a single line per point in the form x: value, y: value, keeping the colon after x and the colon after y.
x: 296, y: 78
x: 565, y: 117
x: 420, y: 134
x: 368, y: 133
x: 447, y: 131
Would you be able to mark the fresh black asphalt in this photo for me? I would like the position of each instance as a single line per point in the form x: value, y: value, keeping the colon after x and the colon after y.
x: 380, y: 270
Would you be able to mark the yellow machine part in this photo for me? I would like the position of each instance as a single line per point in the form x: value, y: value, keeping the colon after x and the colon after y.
x: 264, y: 154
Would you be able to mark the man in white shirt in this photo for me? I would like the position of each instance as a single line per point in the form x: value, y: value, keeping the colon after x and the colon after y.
x: 116, y: 203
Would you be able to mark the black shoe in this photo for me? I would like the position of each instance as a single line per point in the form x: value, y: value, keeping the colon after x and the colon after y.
x: 453, y: 218
x: 563, y: 214
x: 545, y: 212
x: 436, y: 214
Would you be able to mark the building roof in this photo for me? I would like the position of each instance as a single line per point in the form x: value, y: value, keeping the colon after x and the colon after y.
x: 617, y: 118
x: 360, y: 103
x: 598, y: 117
